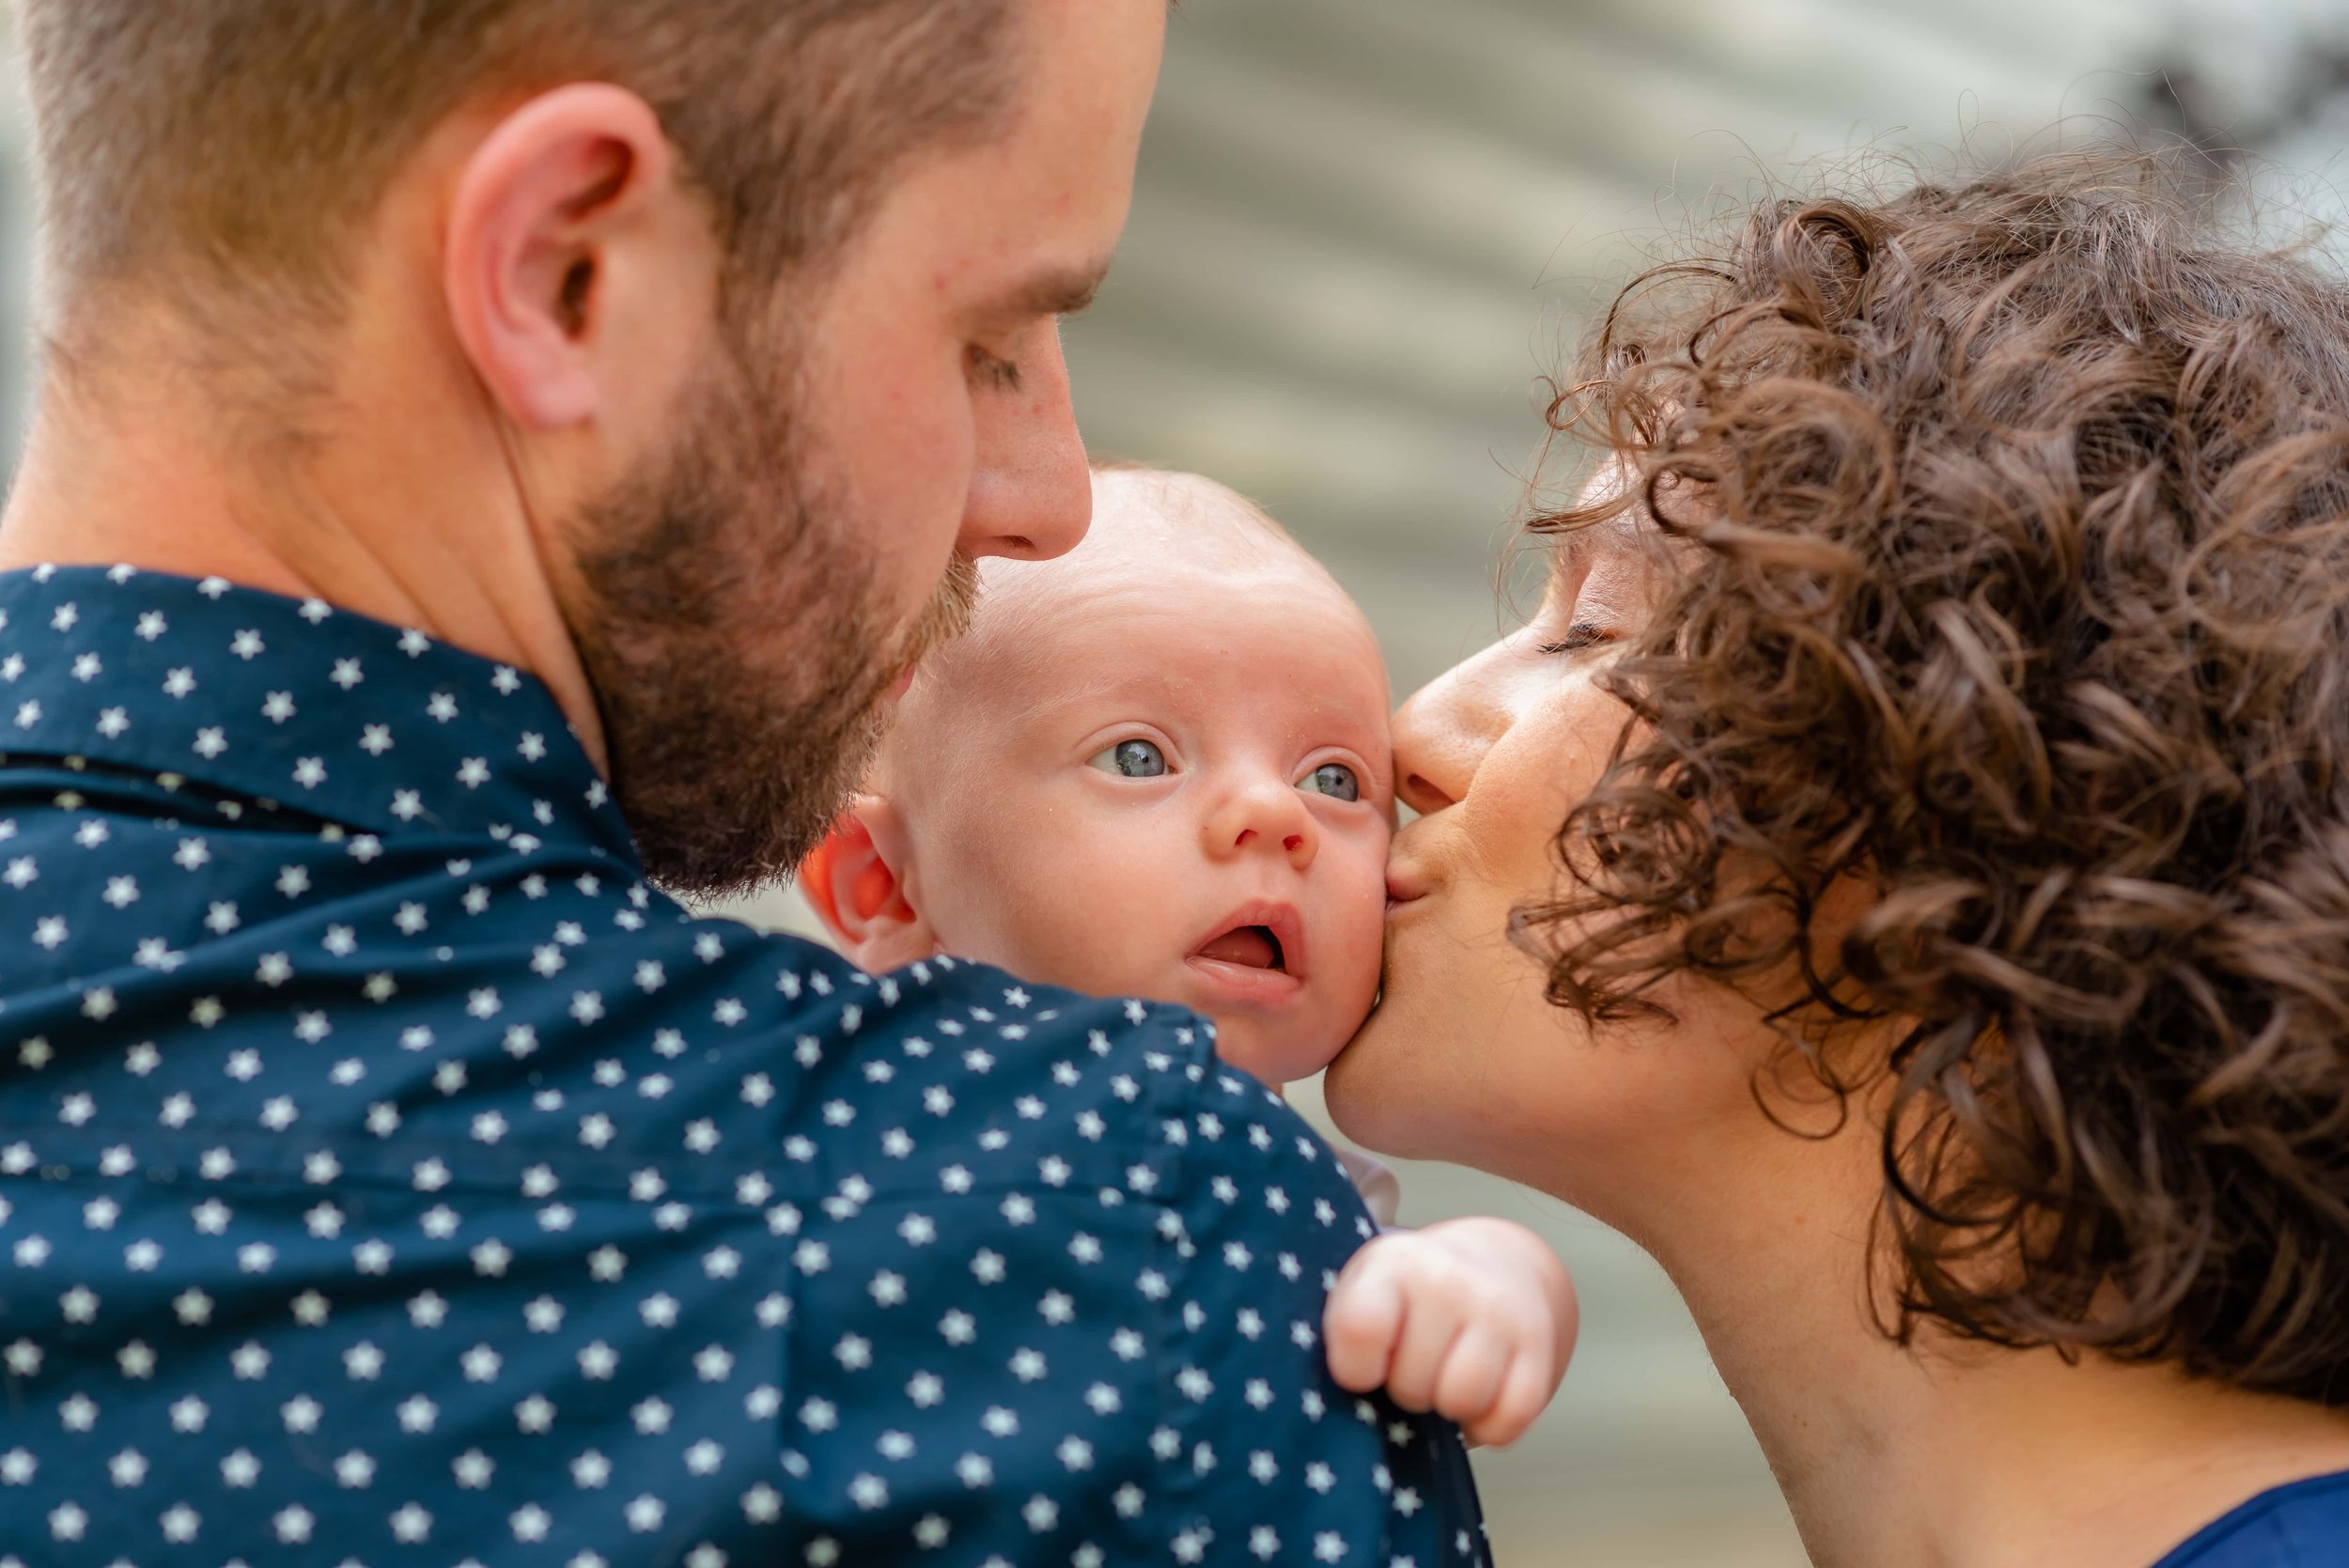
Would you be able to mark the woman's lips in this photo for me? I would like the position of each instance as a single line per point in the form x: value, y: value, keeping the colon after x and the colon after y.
x: 1404, y: 885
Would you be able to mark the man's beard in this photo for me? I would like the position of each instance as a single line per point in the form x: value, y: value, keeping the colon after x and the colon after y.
x: 732, y: 630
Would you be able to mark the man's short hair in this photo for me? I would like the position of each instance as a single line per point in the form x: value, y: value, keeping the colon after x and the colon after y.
x: 234, y: 147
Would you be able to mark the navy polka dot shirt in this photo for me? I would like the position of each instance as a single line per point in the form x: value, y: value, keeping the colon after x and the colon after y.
x: 389, y: 1176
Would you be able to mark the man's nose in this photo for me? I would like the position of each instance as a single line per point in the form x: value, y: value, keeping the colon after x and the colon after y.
x: 1268, y: 817
x: 1030, y: 489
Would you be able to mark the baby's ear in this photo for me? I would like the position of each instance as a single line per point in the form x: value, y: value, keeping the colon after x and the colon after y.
x: 855, y: 881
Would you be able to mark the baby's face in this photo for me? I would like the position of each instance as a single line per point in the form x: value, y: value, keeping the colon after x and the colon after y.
x: 1170, y: 780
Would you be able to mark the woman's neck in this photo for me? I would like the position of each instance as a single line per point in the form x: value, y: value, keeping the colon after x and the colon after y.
x: 1950, y: 1455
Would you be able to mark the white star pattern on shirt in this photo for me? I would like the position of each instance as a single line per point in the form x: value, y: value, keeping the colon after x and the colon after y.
x: 511, y: 1201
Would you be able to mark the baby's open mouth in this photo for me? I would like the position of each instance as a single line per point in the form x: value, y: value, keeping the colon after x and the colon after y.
x: 1260, y: 949
x: 1255, y: 958
x: 1250, y: 946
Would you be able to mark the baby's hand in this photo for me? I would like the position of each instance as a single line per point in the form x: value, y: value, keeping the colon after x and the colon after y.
x: 1473, y: 1319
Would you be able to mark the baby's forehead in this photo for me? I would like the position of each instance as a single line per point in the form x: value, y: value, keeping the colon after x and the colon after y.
x: 1171, y: 537
x: 1166, y: 552
x: 1167, y: 522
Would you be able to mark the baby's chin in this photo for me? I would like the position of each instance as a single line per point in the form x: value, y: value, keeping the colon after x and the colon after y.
x: 1276, y: 1053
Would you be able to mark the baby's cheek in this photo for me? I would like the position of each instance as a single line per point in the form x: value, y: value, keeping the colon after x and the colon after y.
x: 1107, y: 948
x: 1358, y: 915
x: 1092, y: 917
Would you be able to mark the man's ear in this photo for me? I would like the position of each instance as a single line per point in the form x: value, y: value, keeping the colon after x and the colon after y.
x: 855, y: 881
x: 571, y: 255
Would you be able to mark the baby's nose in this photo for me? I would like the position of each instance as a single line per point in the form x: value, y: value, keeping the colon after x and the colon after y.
x: 1264, y: 818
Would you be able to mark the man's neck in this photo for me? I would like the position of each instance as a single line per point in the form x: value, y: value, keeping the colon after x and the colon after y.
x: 1950, y: 1455
x: 420, y: 532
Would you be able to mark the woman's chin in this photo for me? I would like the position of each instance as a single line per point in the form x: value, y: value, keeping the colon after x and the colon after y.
x: 1369, y: 1096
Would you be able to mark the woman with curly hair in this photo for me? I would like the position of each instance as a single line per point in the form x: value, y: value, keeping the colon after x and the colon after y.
x: 1942, y: 967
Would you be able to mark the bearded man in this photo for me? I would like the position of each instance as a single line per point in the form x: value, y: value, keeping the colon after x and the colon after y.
x: 497, y: 459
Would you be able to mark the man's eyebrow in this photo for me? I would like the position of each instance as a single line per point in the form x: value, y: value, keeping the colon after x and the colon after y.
x: 1062, y: 291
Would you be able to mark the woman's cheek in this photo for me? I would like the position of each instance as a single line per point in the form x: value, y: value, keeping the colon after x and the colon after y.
x: 1546, y: 766
x: 1413, y: 1082
x: 1463, y: 1010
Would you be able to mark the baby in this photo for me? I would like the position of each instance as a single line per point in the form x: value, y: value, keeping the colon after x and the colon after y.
x: 1157, y: 767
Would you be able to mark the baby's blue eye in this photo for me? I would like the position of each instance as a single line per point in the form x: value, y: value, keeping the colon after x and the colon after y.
x: 1132, y: 759
x: 1333, y: 778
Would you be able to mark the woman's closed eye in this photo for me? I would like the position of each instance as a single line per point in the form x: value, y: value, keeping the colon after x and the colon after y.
x: 1131, y: 759
x: 1580, y: 636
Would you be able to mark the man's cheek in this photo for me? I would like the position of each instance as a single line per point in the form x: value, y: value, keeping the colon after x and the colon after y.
x: 915, y: 412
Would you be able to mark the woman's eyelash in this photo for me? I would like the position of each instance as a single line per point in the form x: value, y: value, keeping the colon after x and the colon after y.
x: 1580, y: 636
x: 995, y: 370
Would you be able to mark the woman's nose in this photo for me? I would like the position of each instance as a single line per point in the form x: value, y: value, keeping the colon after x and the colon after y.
x: 1441, y: 735
x: 1269, y: 818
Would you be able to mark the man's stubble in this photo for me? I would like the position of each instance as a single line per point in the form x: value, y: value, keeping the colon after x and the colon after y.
x: 741, y: 650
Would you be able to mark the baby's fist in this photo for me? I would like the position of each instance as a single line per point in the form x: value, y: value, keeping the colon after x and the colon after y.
x: 1473, y: 1319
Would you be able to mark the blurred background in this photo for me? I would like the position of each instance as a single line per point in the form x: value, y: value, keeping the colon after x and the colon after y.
x: 1364, y: 227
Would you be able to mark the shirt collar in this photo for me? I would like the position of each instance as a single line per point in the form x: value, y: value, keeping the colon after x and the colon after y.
x: 294, y: 702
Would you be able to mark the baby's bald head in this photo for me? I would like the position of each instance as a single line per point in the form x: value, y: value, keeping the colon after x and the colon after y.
x: 1155, y: 532
x: 1155, y: 767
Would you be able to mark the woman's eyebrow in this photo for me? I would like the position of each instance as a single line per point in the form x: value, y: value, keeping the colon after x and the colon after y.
x: 1571, y: 561
x: 1580, y: 548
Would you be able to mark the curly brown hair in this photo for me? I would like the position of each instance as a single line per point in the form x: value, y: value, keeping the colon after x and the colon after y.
x: 2013, y: 589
